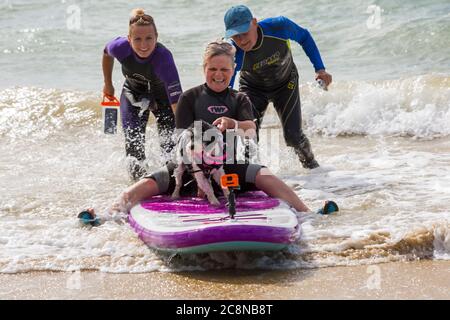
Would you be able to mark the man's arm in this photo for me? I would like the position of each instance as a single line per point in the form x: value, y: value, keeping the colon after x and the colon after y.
x: 303, y: 37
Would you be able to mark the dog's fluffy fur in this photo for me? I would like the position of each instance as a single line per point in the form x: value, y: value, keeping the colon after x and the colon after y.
x: 189, y: 156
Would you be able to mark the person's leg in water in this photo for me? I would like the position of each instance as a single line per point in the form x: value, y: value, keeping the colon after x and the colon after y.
x: 287, y: 104
x: 141, y: 190
x: 257, y: 177
x: 134, y: 127
x: 165, y: 122
x: 259, y: 107
x: 158, y: 182
x: 259, y: 104
x: 275, y: 187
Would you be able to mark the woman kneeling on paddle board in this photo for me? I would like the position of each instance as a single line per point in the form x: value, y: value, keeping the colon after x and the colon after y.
x: 216, y: 103
x: 151, y: 84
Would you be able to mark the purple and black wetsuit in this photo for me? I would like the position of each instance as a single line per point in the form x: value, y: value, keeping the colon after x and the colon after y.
x: 151, y: 84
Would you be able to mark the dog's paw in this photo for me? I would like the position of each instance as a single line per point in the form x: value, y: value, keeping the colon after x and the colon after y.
x: 175, y: 196
x: 213, y: 201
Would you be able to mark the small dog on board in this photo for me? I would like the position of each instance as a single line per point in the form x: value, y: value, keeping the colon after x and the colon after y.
x: 201, y: 159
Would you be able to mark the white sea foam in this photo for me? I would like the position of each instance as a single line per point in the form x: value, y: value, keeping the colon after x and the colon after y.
x: 418, y: 107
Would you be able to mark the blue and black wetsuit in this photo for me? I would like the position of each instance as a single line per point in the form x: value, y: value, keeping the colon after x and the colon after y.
x: 151, y: 84
x: 268, y: 74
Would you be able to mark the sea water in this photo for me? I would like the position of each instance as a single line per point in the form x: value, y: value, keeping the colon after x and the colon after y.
x: 381, y: 133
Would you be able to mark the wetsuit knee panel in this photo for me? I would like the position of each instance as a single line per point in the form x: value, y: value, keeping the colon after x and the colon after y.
x: 252, y: 171
x: 162, y: 179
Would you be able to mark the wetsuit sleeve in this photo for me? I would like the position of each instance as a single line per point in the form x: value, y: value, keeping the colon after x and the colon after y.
x: 244, y: 109
x: 118, y: 48
x: 303, y: 37
x: 184, y: 114
x: 169, y: 74
x: 238, y: 61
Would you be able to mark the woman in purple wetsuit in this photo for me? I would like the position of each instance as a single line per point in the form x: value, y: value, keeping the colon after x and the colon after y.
x: 151, y: 84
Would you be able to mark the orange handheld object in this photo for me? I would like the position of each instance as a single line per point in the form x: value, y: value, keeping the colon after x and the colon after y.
x: 110, y: 101
x: 230, y: 181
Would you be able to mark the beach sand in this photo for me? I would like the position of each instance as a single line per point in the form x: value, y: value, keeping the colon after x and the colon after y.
x: 398, y: 280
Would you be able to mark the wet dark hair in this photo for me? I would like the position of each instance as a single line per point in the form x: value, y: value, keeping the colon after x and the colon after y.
x: 140, y: 18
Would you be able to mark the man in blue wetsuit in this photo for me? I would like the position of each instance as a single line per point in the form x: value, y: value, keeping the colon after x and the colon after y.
x: 268, y: 73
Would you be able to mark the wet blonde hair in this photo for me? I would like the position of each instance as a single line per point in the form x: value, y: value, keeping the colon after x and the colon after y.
x: 140, y: 18
x: 218, y: 48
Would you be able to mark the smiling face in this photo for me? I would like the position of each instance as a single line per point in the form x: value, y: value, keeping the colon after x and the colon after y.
x: 143, y: 39
x: 218, y: 72
x: 246, y: 41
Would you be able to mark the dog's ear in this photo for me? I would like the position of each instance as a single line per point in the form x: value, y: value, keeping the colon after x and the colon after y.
x: 207, y: 126
x: 183, y: 140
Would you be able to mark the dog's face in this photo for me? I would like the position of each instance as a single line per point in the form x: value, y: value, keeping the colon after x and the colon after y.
x: 201, y: 144
x: 200, y: 149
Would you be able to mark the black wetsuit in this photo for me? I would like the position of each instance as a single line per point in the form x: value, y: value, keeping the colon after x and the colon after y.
x: 202, y: 103
x: 268, y: 74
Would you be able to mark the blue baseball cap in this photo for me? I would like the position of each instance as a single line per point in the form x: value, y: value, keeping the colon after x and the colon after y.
x: 237, y: 20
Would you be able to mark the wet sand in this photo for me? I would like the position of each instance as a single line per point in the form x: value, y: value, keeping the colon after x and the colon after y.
x: 400, y: 280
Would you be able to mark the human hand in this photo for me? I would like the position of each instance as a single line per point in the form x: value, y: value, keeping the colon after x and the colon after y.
x: 325, y: 76
x: 224, y: 123
x: 108, y: 90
